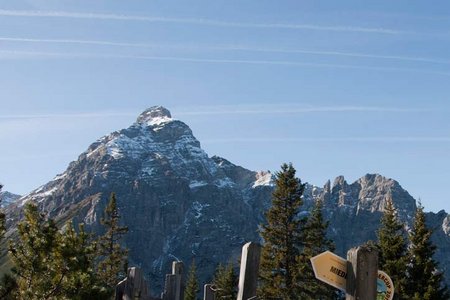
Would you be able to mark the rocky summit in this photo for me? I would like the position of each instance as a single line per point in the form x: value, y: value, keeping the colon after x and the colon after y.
x: 179, y: 203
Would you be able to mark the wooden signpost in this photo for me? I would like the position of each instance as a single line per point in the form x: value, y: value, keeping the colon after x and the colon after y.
x: 357, y: 275
x: 248, y: 276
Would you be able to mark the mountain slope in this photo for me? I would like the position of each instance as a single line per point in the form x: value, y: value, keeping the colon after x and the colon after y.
x: 179, y: 203
x: 6, y: 198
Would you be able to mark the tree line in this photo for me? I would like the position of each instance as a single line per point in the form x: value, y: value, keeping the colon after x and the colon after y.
x: 67, y: 263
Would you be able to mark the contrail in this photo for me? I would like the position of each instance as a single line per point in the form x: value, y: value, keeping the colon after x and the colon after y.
x: 227, y: 48
x: 292, y: 109
x: 193, y: 21
x: 338, y: 53
x: 68, y: 115
x: 6, y: 54
x: 86, y: 42
x: 331, y: 140
x: 225, y: 110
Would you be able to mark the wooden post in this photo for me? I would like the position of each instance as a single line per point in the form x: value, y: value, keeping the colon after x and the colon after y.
x: 178, y: 269
x: 208, y: 292
x: 362, y: 270
x: 174, y: 284
x: 170, y: 287
x: 248, y: 276
x: 133, y: 287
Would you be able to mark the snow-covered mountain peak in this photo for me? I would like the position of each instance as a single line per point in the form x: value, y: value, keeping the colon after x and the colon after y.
x: 155, y: 131
x: 154, y: 144
x: 155, y: 115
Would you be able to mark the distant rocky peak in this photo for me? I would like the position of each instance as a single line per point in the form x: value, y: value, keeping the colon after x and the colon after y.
x: 375, y: 190
x: 339, y: 183
x: 155, y: 115
x: 377, y: 180
x: 327, y: 186
x: 6, y: 198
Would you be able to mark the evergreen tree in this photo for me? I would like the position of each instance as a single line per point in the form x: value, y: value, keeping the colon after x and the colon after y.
x: 225, y: 281
x: 190, y: 293
x: 2, y: 219
x: 34, y: 257
x: 280, y: 262
x: 76, y: 255
x: 113, y: 258
x: 8, y: 288
x: 425, y: 281
x: 392, y: 246
x: 8, y: 283
x: 315, y: 242
x: 50, y: 264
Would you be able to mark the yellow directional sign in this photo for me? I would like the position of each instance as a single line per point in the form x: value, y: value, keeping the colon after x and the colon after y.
x: 331, y: 269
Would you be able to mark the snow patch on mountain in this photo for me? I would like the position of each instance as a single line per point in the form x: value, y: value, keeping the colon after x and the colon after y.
x: 263, y: 178
x: 195, y: 184
x: 198, y: 207
x: 225, y: 182
x: 130, y: 146
x: 60, y: 176
x: 159, y: 121
x: 446, y: 225
x: 38, y: 195
x: 42, y: 192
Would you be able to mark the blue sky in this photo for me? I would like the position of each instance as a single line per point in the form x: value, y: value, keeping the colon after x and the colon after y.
x: 336, y: 87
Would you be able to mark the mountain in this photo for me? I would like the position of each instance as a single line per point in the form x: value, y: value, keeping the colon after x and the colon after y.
x: 6, y: 198
x: 179, y: 203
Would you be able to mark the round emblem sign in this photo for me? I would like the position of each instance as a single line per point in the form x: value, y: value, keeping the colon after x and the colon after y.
x: 385, y: 287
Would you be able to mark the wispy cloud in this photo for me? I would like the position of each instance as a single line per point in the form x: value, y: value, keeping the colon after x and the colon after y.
x: 18, y: 54
x: 330, y: 140
x: 250, y: 109
x: 37, y: 156
x: 228, y: 48
x: 339, y: 53
x: 66, y: 115
x: 193, y: 21
x: 291, y: 109
x: 8, y: 54
x: 85, y: 42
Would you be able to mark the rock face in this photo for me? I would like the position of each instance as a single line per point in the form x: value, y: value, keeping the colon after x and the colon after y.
x: 179, y: 203
x: 6, y: 198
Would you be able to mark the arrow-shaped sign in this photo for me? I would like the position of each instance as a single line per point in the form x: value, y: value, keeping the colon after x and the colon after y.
x: 332, y: 269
